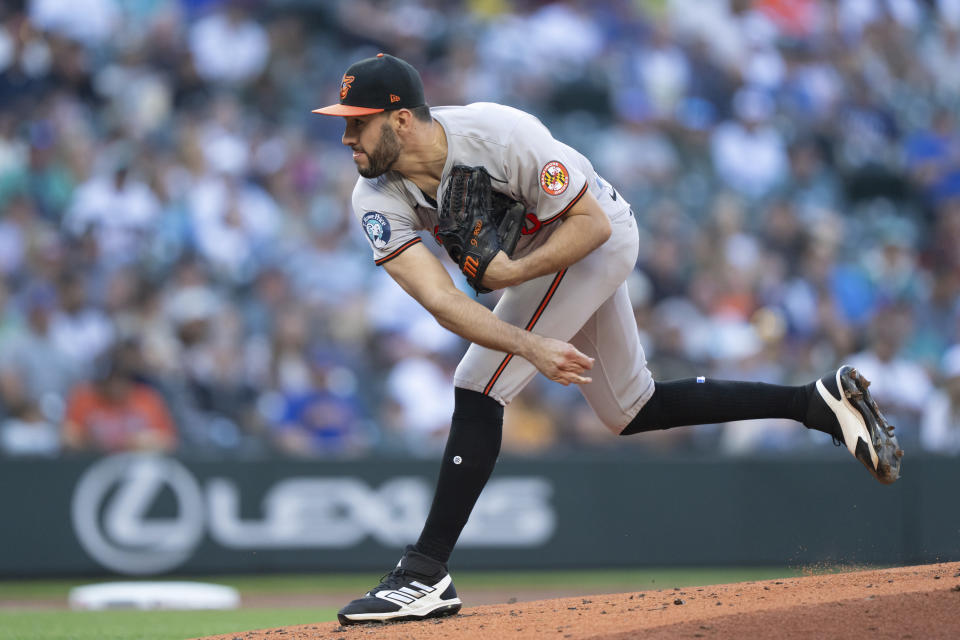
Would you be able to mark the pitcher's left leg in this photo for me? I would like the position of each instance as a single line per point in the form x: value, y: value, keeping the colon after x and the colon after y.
x: 621, y: 381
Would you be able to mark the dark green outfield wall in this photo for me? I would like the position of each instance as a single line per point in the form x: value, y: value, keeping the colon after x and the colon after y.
x: 147, y: 516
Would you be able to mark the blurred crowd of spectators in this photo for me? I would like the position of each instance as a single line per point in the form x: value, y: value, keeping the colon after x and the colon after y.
x: 180, y: 270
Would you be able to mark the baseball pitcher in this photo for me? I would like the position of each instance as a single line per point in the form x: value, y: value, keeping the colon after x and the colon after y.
x: 517, y: 210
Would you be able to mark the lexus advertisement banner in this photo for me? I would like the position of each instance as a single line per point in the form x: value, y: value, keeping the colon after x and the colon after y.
x: 143, y: 515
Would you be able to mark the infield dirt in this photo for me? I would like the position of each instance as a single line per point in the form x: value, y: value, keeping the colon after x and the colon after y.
x: 919, y: 603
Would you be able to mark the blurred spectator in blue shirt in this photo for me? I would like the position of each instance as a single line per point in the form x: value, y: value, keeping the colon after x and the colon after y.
x: 325, y: 419
x: 933, y: 157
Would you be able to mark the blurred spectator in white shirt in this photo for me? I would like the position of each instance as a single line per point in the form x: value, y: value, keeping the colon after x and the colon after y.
x: 140, y: 96
x: 91, y: 22
x: 418, y: 401
x: 118, y: 209
x: 939, y: 55
x: 663, y: 71
x: 712, y: 21
x: 79, y: 329
x: 16, y: 227
x: 748, y: 153
x: 231, y: 219
x: 27, y: 432
x: 228, y: 46
x: 940, y: 425
x: 32, y: 367
x: 949, y: 11
x: 900, y: 386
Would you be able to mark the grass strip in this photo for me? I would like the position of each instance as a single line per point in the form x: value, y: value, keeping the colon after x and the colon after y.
x: 148, y: 625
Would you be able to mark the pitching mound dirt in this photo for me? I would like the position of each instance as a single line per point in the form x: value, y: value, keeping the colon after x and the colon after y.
x: 920, y: 602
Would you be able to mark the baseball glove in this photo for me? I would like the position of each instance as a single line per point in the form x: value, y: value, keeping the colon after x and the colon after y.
x: 475, y: 223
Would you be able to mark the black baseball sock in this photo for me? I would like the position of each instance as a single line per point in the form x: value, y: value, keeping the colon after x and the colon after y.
x: 688, y: 402
x: 470, y: 455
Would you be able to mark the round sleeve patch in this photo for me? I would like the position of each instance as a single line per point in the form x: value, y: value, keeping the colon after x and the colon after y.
x: 377, y: 228
x: 554, y: 178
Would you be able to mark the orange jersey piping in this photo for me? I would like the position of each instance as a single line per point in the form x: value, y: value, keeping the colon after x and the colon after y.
x: 406, y: 245
x: 576, y: 199
x: 533, y: 320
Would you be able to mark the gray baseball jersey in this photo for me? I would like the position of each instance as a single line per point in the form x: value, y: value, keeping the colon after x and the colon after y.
x: 585, y: 304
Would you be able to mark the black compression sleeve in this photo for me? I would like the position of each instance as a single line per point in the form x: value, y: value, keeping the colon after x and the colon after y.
x: 703, y: 401
x: 468, y: 460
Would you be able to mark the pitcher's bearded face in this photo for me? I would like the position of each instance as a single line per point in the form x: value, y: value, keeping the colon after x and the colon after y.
x: 376, y: 161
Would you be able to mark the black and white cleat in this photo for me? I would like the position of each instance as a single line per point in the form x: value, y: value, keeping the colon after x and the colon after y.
x: 861, y: 426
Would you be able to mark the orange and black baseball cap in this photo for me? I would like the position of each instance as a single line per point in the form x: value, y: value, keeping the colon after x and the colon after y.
x: 380, y: 83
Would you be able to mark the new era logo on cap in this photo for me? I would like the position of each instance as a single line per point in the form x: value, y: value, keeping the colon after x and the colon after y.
x: 372, y: 85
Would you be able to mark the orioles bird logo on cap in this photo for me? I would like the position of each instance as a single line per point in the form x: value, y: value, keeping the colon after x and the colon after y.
x: 345, y: 86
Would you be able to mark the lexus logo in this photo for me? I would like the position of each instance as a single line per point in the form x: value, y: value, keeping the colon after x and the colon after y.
x: 116, y: 513
x: 110, y: 510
